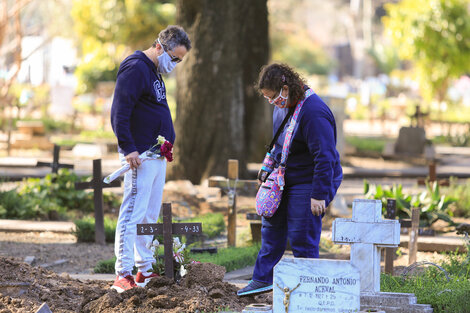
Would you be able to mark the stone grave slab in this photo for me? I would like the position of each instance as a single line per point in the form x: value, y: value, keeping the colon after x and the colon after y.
x: 315, y: 285
x: 393, y: 302
x: 258, y: 308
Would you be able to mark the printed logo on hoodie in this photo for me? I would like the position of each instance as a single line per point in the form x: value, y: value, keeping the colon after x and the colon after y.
x: 159, y: 88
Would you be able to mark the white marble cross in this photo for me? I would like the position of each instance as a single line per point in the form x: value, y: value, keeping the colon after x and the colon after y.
x: 367, y: 233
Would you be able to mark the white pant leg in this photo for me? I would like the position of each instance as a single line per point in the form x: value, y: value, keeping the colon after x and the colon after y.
x: 137, y: 193
x: 143, y: 255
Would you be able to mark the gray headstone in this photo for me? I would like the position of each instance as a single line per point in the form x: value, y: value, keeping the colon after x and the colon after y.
x: 411, y: 140
x: 314, y: 285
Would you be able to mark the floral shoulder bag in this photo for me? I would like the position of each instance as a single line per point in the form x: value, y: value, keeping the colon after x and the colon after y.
x: 269, y: 194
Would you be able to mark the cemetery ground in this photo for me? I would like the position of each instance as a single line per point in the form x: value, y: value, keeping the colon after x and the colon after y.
x: 58, y: 258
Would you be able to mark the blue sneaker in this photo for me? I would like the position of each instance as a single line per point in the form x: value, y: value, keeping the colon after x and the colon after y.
x: 254, y: 287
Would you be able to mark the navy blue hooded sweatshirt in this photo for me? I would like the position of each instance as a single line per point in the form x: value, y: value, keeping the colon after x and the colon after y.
x: 313, y: 158
x: 140, y: 112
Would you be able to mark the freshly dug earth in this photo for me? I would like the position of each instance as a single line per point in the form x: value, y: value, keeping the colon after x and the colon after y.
x: 24, y: 288
x: 55, y: 251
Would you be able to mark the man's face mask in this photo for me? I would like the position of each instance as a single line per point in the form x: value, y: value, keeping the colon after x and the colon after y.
x: 166, y: 62
x: 165, y: 65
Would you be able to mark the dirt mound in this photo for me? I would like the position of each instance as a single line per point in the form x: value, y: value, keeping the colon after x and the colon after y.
x: 24, y: 288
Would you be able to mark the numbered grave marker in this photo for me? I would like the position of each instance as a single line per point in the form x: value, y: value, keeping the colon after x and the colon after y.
x: 167, y: 229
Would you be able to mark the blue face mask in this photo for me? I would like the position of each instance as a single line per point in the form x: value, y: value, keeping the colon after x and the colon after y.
x: 165, y: 64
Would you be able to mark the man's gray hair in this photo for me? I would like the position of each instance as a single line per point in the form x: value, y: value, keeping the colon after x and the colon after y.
x: 172, y: 37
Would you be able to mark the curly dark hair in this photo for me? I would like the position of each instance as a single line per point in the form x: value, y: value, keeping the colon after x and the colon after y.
x: 275, y: 76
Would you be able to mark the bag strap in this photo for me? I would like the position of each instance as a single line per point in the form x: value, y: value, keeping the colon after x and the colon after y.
x: 279, y: 130
x: 290, y: 129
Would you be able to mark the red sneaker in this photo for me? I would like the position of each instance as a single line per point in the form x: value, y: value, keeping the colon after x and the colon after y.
x: 124, y: 284
x: 142, y: 280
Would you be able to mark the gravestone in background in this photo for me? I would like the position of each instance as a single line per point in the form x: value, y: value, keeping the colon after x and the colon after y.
x: 337, y: 106
x: 411, y: 140
x: 315, y: 285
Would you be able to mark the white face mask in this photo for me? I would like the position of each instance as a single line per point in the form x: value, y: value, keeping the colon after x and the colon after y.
x: 165, y: 65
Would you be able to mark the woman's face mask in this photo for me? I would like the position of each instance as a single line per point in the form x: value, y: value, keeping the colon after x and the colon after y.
x: 165, y: 64
x: 280, y: 101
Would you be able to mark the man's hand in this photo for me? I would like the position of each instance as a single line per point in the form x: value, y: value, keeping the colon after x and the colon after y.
x: 317, y: 206
x: 133, y: 160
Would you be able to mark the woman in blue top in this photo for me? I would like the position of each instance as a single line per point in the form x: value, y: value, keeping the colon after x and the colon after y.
x: 312, y: 176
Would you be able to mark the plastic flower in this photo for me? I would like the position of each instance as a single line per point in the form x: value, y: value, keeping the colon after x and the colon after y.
x: 153, y: 246
x: 160, y: 140
x: 180, y: 255
x: 178, y: 250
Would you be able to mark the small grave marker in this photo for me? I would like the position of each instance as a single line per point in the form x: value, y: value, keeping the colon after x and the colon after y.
x: 55, y: 165
x: 414, y: 232
x: 432, y: 177
x: 97, y: 184
x: 315, y: 285
x: 413, y: 243
x: 44, y: 308
x: 167, y: 229
x: 231, y: 184
x: 390, y: 214
x: 367, y: 232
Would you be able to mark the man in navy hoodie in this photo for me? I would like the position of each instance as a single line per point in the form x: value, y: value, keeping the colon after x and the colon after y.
x: 139, y: 115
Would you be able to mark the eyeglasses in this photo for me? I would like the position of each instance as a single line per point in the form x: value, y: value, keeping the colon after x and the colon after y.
x: 172, y: 57
x: 272, y: 101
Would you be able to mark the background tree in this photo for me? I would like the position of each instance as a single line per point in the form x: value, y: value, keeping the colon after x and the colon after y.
x: 435, y: 36
x: 291, y: 40
x: 11, y: 35
x: 219, y: 113
x: 111, y: 29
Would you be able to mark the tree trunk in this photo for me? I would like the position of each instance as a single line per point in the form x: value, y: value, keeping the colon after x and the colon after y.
x: 219, y: 114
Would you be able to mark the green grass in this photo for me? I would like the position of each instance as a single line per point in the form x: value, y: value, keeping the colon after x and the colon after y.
x: 443, y: 296
x: 105, y: 266
x: 14, y: 206
x: 85, y: 229
x: 431, y: 286
x: 231, y: 258
x: 213, y: 224
x: 461, y: 192
x: 367, y: 144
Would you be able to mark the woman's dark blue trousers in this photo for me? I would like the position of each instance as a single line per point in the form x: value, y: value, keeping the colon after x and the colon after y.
x: 293, y: 220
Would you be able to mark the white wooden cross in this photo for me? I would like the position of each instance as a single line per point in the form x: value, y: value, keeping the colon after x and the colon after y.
x: 367, y: 233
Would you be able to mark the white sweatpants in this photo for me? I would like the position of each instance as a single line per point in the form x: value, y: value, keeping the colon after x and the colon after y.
x: 141, y: 203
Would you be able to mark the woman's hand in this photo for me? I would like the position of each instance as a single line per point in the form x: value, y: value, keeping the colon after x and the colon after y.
x: 133, y: 160
x: 317, y: 206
